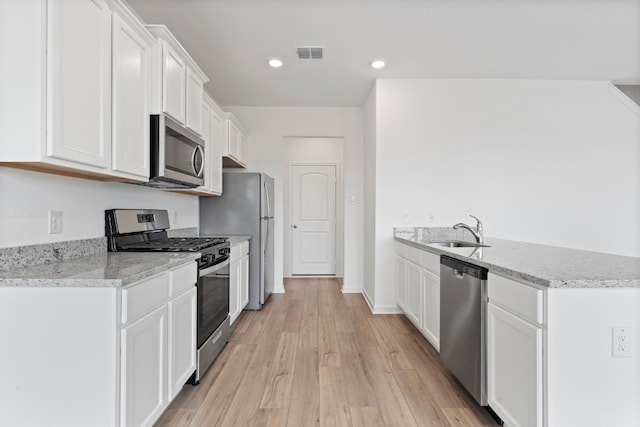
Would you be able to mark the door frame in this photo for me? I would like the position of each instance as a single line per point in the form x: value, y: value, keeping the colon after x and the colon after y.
x: 339, y: 206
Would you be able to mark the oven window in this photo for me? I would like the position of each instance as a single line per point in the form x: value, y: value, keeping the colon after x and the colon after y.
x: 213, y: 302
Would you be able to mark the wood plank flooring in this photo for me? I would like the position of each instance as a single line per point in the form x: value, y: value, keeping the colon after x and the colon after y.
x: 314, y: 356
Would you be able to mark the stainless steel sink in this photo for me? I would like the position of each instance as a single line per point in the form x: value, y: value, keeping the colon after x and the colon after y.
x: 458, y: 244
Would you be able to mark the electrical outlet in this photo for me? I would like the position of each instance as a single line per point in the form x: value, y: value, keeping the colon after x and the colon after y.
x: 406, y: 219
x: 621, y: 342
x: 55, y: 222
x: 431, y: 218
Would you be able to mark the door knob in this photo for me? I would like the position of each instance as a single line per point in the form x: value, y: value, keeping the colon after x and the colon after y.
x: 294, y: 226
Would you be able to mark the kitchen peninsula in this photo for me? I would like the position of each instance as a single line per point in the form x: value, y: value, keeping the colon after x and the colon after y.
x: 553, y: 319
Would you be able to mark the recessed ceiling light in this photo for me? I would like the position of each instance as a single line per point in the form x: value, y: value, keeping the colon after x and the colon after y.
x: 377, y: 64
x: 275, y: 63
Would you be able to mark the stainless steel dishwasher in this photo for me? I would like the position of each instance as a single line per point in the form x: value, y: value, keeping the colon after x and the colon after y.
x: 463, y: 299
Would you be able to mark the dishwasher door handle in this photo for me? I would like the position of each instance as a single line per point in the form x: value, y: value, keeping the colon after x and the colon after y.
x: 457, y: 273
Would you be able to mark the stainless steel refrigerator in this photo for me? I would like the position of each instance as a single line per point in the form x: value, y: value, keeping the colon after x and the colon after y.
x: 246, y: 208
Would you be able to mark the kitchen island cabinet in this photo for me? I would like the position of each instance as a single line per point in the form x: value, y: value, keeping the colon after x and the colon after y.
x: 514, y: 351
x: 89, y: 351
x: 418, y: 289
x: 550, y: 328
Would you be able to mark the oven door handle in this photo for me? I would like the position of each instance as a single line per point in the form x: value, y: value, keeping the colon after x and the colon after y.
x: 214, y: 268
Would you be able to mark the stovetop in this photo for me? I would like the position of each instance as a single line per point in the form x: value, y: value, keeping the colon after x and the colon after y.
x: 176, y: 244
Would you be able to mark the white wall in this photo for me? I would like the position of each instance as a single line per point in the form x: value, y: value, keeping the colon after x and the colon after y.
x: 579, y: 341
x: 26, y: 197
x: 551, y: 162
x: 313, y: 151
x: 268, y: 126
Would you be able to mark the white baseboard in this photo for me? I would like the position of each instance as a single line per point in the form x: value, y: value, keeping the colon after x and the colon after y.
x: 278, y: 289
x: 381, y: 309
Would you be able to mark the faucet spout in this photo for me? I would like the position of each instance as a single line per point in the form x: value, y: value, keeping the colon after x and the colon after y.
x: 477, y: 231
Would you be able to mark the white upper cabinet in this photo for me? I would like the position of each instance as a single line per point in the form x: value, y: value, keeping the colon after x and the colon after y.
x: 213, y: 132
x: 79, y: 72
x: 75, y: 98
x: 215, y: 156
x: 131, y: 96
x: 194, y: 93
x: 235, y: 148
x: 177, y: 81
x: 174, y: 79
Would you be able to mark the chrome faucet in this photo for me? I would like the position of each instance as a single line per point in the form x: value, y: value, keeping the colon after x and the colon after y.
x: 477, y: 233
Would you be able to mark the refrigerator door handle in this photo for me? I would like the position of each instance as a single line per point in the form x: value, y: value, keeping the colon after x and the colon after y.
x: 266, y: 192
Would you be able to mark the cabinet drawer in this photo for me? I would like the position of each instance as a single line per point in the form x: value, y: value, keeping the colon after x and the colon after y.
x: 238, y: 250
x: 141, y: 298
x: 182, y: 278
x: 430, y: 262
x: 521, y: 299
x: 413, y: 255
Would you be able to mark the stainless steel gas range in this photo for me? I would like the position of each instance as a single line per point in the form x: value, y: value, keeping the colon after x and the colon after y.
x: 145, y: 230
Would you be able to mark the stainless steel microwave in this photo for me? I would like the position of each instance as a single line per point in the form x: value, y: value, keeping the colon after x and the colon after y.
x: 177, y: 155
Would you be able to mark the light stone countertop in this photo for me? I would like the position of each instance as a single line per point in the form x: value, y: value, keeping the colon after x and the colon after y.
x: 543, y: 265
x: 235, y: 239
x: 111, y: 269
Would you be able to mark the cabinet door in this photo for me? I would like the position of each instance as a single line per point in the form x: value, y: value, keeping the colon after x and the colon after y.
x: 414, y: 294
x: 182, y: 340
x: 143, y: 394
x: 234, y: 138
x: 235, y: 275
x: 244, y: 282
x: 215, y: 156
x: 244, y: 149
x: 79, y: 76
x: 130, y: 131
x: 206, y: 135
x: 514, y: 368
x: 431, y: 308
x: 401, y: 283
x: 194, y: 102
x: 173, y: 85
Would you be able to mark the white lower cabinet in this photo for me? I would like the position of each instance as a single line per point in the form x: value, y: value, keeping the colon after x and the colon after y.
x: 418, y: 289
x: 144, y: 369
x: 514, y: 352
x: 238, y: 279
x: 244, y: 281
x: 112, y: 356
x: 431, y: 308
x: 401, y: 283
x: 414, y: 294
x: 514, y: 359
x: 182, y: 340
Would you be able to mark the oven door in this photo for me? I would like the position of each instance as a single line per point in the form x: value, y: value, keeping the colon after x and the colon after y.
x: 213, y: 299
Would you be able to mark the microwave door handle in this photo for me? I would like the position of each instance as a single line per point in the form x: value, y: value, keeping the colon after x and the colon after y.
x: 197, y: 152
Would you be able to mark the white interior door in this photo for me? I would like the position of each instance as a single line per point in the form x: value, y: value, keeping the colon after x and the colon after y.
x: 313, y: 219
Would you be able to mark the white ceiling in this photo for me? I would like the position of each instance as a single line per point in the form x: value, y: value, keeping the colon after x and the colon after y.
x: 521, y: 39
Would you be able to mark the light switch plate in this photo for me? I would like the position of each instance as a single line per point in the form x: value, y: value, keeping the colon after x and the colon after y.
x: 55, y: 222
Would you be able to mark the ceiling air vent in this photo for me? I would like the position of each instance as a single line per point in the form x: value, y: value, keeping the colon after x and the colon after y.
x: 308, y: 52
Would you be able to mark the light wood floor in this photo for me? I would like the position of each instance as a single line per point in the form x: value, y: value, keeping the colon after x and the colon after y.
x: 315, y: 356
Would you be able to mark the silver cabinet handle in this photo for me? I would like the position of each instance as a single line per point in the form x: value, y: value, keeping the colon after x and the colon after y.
x: 294, y: 226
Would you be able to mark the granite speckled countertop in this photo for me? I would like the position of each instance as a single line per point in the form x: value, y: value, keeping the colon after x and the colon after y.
x: 97, y: 270
x: 543, y: 265
x: 234, y: 239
